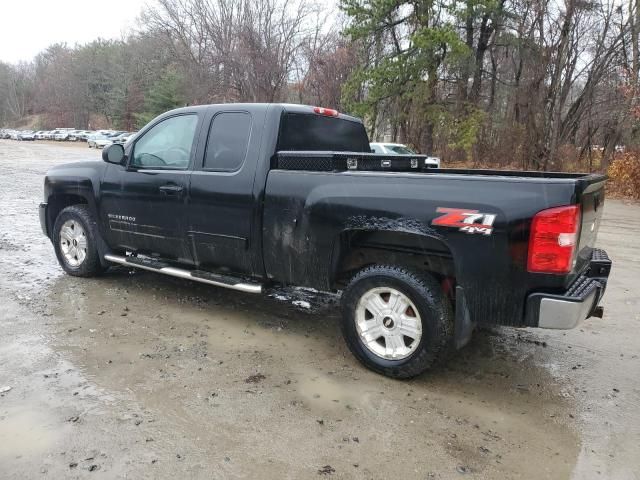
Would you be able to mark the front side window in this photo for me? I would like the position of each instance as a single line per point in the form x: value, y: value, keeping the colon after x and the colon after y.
x: 167, y: 145
x: 228, y: 141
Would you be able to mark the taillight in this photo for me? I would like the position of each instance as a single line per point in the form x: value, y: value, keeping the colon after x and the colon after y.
x: 553, y: 240
x: 329, y: 112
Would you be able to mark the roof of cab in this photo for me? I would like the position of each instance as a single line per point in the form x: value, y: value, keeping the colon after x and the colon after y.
x: 389, y: 144
x: 287, y: 107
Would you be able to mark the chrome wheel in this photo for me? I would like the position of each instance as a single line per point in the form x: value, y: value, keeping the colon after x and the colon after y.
x: 73, y: 243
x: 388, y: 323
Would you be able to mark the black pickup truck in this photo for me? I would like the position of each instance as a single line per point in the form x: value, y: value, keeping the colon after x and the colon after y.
x: 244, y: 196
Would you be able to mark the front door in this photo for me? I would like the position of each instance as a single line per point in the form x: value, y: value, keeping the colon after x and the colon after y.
x: 144, y: 202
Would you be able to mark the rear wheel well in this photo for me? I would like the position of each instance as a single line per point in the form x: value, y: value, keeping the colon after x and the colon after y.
x: 59, y: 202
x: 357, y: 249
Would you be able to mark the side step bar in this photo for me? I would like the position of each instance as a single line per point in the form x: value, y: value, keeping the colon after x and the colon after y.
x: 196, y: 275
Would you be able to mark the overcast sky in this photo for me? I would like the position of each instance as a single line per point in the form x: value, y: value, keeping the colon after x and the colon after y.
x: 29, y: 26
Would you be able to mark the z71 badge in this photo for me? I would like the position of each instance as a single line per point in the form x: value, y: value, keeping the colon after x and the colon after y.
x: 468, y: 221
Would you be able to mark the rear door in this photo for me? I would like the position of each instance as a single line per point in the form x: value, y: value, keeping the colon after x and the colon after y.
x: 144, y: 202
x: 222, y: 208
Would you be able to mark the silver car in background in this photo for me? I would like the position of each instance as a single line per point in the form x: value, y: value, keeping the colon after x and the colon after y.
x: 401, y: 149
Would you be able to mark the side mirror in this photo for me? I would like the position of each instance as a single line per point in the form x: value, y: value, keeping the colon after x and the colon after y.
x: 114, y: 153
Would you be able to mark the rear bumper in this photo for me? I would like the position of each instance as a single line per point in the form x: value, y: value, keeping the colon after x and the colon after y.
x: 579, y: 302
x: 42, y: 211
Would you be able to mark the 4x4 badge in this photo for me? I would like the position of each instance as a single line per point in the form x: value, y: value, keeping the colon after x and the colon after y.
x: 468, y: 221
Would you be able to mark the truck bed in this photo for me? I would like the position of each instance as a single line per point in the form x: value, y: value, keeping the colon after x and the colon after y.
x: 315, y: 205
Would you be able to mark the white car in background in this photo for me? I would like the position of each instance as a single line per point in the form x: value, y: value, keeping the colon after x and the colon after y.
x: 102, y: 141
x: 400, y: 149
x: 26, y: 135
x: 63, y: 134
x: 124, y: 137
x: 106, y: 140
x: 98, y: 135
x: 75, y: 135
x: 56, y: 134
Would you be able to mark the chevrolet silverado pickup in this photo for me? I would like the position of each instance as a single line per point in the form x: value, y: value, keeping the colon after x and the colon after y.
x: 247, y: 196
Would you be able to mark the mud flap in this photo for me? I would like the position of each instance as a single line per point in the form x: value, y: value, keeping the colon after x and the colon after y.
x: 463, y: 326
x: 101, y: 245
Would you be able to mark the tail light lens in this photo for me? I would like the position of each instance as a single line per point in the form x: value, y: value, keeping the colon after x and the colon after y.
x: 553, y: 240
x: 329, y: 112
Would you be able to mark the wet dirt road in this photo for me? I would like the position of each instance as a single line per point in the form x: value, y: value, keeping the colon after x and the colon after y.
x: 136, y: 375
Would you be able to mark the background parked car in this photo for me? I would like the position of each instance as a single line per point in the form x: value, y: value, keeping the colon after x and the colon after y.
x: 27, y: 135
x: 103, y: 141
x: 99, y: 134
x: 74, y: 135
x: 123, y: 138
x: 400, y: 149
x: 82, y: 136
x: 113, y: 137
x: 63, y: 134
x: 51, y: 134
x: 107, y: 140
x: 391, y: 148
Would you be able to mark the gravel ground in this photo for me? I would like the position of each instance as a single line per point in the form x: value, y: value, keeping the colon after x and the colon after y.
x: 136, y: 375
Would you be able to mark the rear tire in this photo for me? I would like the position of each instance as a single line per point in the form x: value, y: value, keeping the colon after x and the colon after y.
x: 395, y: 321
x: 75, y: 242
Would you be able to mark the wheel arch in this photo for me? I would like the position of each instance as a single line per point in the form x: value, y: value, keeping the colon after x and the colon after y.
x: 58, y: 202
x: 357, y: 249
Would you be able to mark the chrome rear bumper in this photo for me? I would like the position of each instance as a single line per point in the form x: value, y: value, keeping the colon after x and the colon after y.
x: 578, y: 303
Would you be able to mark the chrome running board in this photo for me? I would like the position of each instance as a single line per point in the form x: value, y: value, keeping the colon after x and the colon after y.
x: 195, y: 275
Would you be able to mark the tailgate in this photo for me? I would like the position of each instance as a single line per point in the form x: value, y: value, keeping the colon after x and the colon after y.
x: 590, y: 194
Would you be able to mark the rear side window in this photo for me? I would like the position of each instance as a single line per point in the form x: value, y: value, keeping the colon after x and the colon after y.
x: 308, y: 132
x: 227, y: 141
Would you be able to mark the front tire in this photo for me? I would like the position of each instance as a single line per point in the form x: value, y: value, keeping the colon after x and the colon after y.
x: 395, y: 321
x: 74, y: 240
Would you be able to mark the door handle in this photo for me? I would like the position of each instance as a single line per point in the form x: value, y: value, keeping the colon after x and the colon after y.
x: 171, y: 189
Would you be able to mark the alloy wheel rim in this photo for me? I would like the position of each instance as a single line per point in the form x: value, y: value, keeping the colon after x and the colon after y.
x: 388, y: 323
x: 73, y: 243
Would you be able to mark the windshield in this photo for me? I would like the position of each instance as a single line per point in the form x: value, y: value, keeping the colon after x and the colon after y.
x: 400, y: 149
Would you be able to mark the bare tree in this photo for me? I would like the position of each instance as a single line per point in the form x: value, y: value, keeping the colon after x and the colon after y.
x: 234, y: 49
